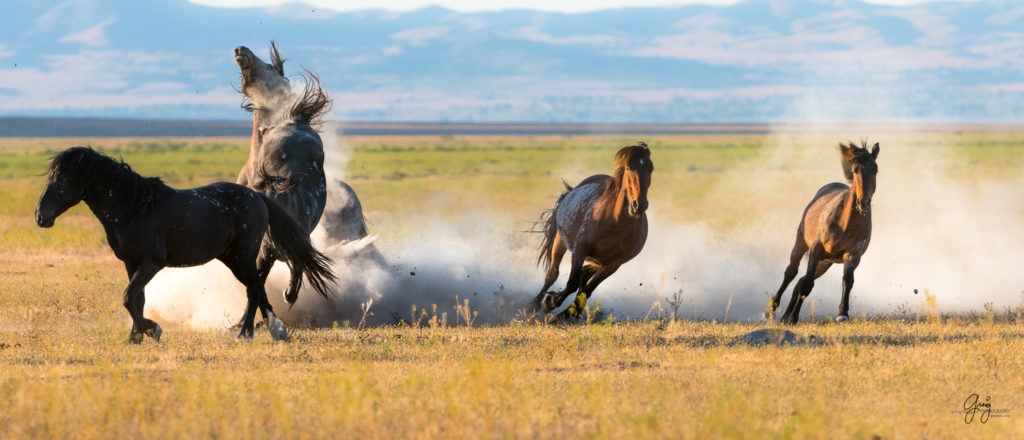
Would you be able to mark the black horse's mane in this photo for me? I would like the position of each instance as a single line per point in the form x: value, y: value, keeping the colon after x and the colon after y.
x: 89, y: 168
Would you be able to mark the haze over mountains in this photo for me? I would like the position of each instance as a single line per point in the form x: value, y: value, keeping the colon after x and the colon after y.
x: 756, y: 61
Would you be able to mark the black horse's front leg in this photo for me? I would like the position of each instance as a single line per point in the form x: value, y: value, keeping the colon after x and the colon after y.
x: 135, y: 301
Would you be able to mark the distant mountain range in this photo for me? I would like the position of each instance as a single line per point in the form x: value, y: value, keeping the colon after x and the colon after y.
x: 756, y: 61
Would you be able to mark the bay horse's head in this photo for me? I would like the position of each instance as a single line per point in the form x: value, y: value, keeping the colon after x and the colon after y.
x: 633, y: 174
x: 65, y: 184
x: 860, y: 169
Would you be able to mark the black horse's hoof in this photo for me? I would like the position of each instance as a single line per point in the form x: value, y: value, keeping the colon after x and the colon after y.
x: 155, y: 332
x: 135, y: 337
x: 842, y: 318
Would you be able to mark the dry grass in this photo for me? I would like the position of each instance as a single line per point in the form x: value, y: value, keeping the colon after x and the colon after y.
x: 66, y: 370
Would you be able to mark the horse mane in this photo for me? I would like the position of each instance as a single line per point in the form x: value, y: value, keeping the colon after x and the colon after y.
x: 311, y: 106
x: 850, y: 153
x: 88, y: 168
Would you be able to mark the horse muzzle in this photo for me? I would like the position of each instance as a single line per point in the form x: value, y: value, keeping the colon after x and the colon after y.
x: 637, y: 208
x: 44, y: 221
x: 864, y: 206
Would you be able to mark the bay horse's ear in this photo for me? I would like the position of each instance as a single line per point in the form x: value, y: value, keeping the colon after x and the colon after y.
x: 843, y: 148
x: 874, y: 151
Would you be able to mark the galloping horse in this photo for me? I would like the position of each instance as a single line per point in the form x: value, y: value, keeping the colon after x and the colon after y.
x: 286, y: 154
x: 835, y: 228
x: 603, y: 221
x: 150, y: 225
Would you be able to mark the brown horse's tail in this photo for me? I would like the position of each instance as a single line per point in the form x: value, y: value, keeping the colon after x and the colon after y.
x: 292, y: 242
x: 549, y: 221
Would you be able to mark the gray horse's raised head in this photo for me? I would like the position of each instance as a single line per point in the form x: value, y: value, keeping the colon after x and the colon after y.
x: 264, y: 83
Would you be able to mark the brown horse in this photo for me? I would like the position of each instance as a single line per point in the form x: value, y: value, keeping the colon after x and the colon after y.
x: 835, y: 228
x: 603, y: 221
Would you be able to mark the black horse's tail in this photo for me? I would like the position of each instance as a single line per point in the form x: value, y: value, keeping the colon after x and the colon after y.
x: 292, y: 242
x: 550, y: 223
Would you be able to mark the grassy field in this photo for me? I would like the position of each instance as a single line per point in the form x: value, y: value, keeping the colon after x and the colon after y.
x: 66, y: 370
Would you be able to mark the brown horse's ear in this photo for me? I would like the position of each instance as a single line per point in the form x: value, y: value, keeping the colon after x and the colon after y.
x: 843, y: 148
x: 874, y: 151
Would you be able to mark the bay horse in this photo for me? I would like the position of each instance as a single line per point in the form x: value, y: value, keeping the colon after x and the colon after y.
x: 835, y: 228
x: 286, y: 154
x: 150, y: 225
x: 603, y: 221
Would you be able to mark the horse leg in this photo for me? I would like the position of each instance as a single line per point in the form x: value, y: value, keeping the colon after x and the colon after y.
x: 803, y: 286
x: 580, y: 303
x: 553, y: 302
x: 557, y: 253
x: 799, y: 249
x: 294, y: 284
x: 135, y: 301
x: 850, y: 263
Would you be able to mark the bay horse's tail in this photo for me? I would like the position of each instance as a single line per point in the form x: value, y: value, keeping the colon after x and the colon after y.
x: 550, y: 222
x: 292, y: 242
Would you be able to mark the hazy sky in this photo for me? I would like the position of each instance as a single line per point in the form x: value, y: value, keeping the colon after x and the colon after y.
x: 569, y: 6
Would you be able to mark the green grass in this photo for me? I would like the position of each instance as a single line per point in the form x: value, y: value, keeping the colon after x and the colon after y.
x: 66, y: 369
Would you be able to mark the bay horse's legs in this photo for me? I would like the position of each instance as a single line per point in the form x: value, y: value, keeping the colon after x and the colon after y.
x: 552, y: 302
x: 803, y: 286
x: 135, y: 300
x: 575, y: 310
x: 557, y: 253
x: 589, y: 270
x: 850, y: 263
x: 799, y: 249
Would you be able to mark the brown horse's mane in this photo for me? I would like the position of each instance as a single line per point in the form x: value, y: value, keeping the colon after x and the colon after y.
x: 607, y: 205
x: 849, y: 154
x: 88, y: 168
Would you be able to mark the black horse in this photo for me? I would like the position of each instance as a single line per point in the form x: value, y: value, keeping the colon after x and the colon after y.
x: 150, y: 226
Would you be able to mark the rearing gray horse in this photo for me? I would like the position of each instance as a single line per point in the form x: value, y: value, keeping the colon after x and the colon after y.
x: 286, y: 154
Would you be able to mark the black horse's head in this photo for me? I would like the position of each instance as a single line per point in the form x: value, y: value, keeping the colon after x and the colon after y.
x: 65, y: 183
x: 634, y: 169
x: 860, y: 169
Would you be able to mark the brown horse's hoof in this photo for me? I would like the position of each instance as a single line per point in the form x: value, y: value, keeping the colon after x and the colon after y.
x: 547, y: 304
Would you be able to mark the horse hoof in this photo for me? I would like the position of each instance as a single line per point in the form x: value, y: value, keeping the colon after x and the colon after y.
x: 548, y: 303
x: 156, y: 332
x: 277, y: 330
x: 842, y: 318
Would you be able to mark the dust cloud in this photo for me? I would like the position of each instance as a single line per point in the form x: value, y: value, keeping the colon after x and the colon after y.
x: 957, y: 239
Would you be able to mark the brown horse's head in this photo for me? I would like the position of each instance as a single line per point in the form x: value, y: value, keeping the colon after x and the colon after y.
x: 860, y: 169
x: 633, y: 175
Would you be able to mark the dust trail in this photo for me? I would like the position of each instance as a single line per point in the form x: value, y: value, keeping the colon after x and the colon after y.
x: 960, y: 240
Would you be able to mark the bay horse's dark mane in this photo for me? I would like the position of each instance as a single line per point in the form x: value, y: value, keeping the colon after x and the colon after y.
x: 606, y: 204
x: 850, y: 154
x: 87, y: 168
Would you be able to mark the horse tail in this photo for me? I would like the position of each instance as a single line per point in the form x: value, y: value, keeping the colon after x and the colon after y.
x: 549, y: 221
x: 292, y: 242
